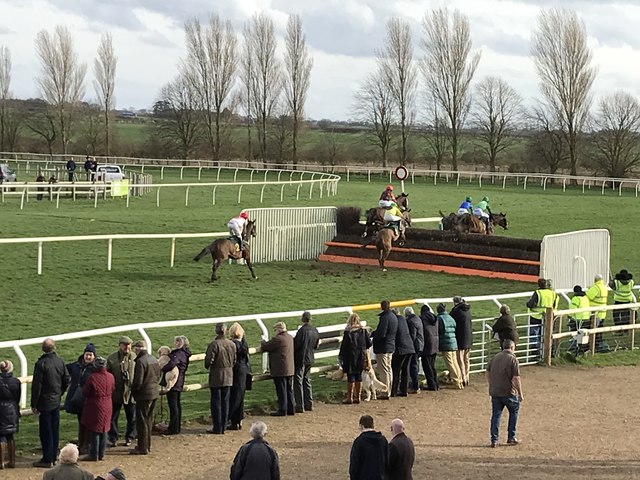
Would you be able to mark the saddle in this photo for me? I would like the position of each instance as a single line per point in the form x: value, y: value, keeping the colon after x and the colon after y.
x: 234, y: 240
x: 395, y: 226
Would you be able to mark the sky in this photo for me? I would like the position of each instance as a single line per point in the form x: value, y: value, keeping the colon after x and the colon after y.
x: 342, y: 36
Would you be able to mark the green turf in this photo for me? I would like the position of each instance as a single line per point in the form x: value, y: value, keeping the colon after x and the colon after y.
x: 76, y: 292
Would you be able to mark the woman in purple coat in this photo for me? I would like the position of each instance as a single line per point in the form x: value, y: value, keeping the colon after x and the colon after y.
x: 9, y: 413
x: 96, y: 413
x: 179, y: 357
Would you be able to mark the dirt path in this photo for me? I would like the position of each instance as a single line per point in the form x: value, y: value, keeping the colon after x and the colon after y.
x: 574, y: 424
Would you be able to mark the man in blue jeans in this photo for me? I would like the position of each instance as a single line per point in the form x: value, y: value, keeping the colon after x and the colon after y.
x: 505, y: 388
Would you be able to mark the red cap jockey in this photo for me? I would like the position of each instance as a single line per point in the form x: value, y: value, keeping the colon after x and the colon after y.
x: 244, y: 215
x: 390, y: 187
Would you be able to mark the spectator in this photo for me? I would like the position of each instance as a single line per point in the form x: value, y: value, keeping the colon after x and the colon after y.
x: 505, y: 326
x: 401, y: 358
x: 281, y: 368
x: 145, y: 391
x: 121, y: 365
x: 256, y: 458
x: 401, y: 453
x: 579, y: 300
x: 369, y: 456
x: 416, y: 332
x: 305, y: 343
x: 622, y: 286
x: 461, y: 313
x: 431, y: 347
x: 219, y: 360
x: 71, y: 168
x: 384, y: 344
x: 68, y: 468
x: 80, y: 371
x: 353, y: 357
x: 50, y: 380
x: 598, y: 296
x: 114, y: 474
x: 168, y: 378
x: 448, y: 345
x: 40, y: 178
x: 241, y: 370
x: 9, y: 413
x: 178, y: 359
x: 88, y: 166
x: 541, y: 299
x: 505, y: 388
x: 96, y: 414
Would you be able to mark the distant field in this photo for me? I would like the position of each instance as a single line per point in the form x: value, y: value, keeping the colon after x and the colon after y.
x: 76, y: 292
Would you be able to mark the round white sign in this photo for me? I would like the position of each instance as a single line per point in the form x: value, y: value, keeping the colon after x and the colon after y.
x: 401, y: 173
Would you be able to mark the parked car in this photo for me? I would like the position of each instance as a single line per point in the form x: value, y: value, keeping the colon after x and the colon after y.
x: 108, y: 173
x: 8, y: 174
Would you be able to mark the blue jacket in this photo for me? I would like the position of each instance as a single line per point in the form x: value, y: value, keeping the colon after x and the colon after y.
x: 466, y: 205
x: 404, y: 342
x: 447, y: 333
x: 384, y: 336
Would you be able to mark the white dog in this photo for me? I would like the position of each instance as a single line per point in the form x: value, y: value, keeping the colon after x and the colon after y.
x: 370, y: 384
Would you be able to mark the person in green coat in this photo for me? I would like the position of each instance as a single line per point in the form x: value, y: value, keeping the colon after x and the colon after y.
x: 449, y: 345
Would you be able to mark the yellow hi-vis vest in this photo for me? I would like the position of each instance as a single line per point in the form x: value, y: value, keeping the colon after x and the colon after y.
x: 598, y: 294
x: 547, y: 298
x: 622, y: 292
x: 580, y: 301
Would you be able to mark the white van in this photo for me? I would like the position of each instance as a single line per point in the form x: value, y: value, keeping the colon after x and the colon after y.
x: 108, y: 173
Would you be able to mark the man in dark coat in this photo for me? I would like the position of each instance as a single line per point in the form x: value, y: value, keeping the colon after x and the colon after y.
x: 461, y: 313
x: 145, y: 391
x: 401, y: 358
x: 71, y: 169
x: 219, y: 360
x: 121, y: 365
x: 369, y: 456
x: 281, y: 368
x: 9, y: 412
x: 416, y: 332
x: 505, y: 326
x: 401, y: 453
x: 50, y: 380
x: 384, y: 344
x: 256, y: 459
x: 305, y: 343
x: 431, y: 347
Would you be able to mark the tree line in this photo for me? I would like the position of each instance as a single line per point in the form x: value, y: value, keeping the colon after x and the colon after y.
x: 422, y: 104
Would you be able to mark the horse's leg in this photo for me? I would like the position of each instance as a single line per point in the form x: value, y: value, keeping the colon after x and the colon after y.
x: 247, y: 259
x: 214, y: 266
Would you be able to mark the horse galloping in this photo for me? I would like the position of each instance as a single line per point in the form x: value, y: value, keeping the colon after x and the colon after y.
x: 468, y: 223
x: 375, y: 216
x: 386, y: 237
x: 223, y: 248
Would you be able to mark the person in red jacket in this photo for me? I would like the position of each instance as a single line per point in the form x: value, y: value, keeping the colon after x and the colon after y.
x: 96, y: 414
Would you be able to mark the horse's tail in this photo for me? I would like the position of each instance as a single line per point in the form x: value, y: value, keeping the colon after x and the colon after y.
x: 205, y: 251
x: 441, y: 214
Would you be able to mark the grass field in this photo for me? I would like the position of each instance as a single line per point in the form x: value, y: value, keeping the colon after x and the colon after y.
x: 76, y: 292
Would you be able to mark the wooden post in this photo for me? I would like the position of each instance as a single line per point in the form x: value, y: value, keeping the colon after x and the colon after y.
x: 547, y: 331
x: 632, y: 332
x: 592, y: 337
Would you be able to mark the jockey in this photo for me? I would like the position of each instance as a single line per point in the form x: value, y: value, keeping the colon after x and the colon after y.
x: 387, y: 199
x: 236, y: 226
x: 394, y: 215
x: 466, y: 206
x: 481, y: 209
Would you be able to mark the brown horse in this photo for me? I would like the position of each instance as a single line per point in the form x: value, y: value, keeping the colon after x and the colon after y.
x: 379, y: 225
x: 384, y: 245
x: 223, y: 248
x: 468, y: 223
x: 375, y: 216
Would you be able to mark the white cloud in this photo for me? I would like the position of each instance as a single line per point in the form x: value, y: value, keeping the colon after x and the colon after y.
x: 342, y: 36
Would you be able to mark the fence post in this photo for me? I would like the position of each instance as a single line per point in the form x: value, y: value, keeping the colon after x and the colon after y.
x: 173, y: 250
x: 109, y: 254
x: 39, y: 258
x: 24, y: 372
x: 548, y: 335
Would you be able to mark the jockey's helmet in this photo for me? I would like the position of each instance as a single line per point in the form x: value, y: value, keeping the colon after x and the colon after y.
x: 390, y: 187
x: 244, y: 215
x: 485, y: 199
x: 468, y: 199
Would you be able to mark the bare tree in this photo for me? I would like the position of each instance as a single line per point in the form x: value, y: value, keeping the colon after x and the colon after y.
x: 436, y: 133
x: 177, y: 109
x: 374, y: 106
x: 5, y: 82
x: 248, y: 76
x: 298, y: 65
x: 448, y: 67
x: 211, y: 64
x: 104, y: 70
x: 42, y: 120
x: 548, y: 146
x: 497, y: 109
x: 617, y: 136
x: 267, y: 80
x: 400, y: 73
x: 563, y: 62
x: 61, y: 80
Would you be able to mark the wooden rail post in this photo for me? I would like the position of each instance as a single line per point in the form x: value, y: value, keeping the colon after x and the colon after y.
x: 547, y: 331
x: 632, y: 332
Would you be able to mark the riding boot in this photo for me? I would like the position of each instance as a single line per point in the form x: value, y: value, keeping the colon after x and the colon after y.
x: 12, y: 453
x: 357, y: 392
x: 349, y: 399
